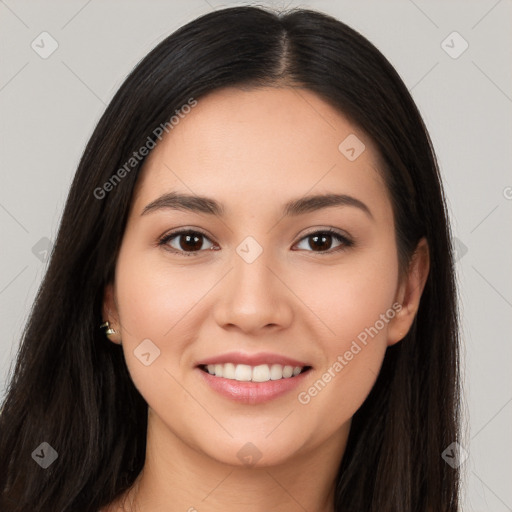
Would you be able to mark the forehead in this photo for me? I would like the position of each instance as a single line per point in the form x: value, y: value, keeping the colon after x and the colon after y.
x: 250, y: 148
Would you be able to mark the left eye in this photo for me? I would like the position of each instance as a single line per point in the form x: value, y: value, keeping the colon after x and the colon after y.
x: 190, y: 242
x: 323, y: 238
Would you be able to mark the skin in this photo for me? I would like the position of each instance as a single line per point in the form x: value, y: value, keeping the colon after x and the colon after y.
x: 253, y: 150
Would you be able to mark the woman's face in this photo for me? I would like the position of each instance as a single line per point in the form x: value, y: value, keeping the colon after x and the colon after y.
x: 258, y: 288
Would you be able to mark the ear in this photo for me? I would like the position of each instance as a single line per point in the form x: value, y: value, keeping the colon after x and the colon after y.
x: 409, y: 293
x: 111, y: 314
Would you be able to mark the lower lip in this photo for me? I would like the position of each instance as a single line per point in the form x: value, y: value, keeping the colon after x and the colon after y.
x: 252, y: 392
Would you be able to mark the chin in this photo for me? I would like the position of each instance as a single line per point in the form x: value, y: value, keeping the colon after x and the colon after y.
x: 256, y: 450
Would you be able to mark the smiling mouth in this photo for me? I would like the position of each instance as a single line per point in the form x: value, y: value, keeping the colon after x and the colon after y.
x: 259, y: 373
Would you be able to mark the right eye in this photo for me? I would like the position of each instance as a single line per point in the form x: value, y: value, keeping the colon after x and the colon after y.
x: 188, y: 242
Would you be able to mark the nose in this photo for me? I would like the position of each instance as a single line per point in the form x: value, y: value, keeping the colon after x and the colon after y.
x: 254, y: 296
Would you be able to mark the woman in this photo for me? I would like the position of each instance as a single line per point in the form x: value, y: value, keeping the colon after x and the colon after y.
x: 250, y: 304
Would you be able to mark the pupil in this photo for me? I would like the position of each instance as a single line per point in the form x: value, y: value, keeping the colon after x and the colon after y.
x: 191, y: 246
x: 322, y: 237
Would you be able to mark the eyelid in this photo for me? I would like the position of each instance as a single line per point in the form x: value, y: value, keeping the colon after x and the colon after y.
x: 332, y: 231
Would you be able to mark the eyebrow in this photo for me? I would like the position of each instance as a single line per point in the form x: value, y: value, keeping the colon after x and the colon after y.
x: 295, y: 207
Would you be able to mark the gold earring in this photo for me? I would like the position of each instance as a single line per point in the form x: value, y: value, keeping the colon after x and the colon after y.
x: 109, y: 331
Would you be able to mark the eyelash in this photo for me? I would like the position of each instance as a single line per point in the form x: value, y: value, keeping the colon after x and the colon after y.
x: 346, y: 242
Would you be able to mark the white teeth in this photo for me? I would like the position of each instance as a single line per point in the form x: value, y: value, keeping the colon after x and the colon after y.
x: 243, y: 372
x: 287, y: 372
x: 261, y: 373
x: 218, y: 370
x: 276, y: 372
x: 228, y: 371
x: 246, y: 373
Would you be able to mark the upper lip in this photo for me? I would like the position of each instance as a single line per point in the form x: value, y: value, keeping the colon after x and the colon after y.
x: 252, y: 359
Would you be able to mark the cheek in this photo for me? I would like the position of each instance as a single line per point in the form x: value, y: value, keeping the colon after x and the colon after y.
x: 351, y: 297
x: 154, y: 304
x: 154, y: 296
x: 355, y: 302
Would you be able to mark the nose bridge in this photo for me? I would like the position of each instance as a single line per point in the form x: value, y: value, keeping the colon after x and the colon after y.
x: 253, y: 297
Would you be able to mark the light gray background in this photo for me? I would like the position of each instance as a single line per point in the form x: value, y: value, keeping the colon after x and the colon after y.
x: 49, y: 108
